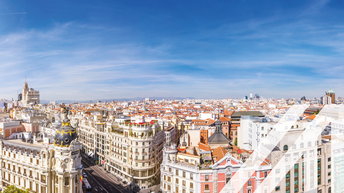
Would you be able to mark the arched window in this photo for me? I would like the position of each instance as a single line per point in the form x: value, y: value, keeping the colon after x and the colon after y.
x: 294, y: 146
x: 309, y: 144
x: 285, y: 148
x: 329, y: 190
x: 316, y: 143
x: 301, y: 145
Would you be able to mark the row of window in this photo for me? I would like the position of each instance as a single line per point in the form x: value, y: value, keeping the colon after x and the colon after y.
x: 183, y: 174
x: 285, y: 147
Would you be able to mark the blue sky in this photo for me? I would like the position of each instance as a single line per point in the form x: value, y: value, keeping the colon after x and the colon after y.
x: 82, y: 50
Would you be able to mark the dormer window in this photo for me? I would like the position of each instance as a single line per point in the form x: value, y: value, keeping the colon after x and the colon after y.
x: 285, y: 148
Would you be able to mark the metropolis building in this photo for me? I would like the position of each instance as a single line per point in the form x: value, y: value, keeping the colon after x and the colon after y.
x: 31, y: 160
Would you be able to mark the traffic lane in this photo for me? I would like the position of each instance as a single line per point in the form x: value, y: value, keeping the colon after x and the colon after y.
x: 105, y: 175
x: 100, y: 177
x: 99, y: 183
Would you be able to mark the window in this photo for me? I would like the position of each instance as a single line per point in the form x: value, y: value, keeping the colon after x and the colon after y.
x: 177, y: 172
x: 277, y: 188
x: 206, y: 177
x: 249, y: 183
x: 66, y: 181
x: 285, y: 148
x: 177, y: 180
x: 184, y: 174
x: 206, y: 187
x: 301, y: 145
x: 309, y: 144
x: 191, y: 176
x: 191, y: 185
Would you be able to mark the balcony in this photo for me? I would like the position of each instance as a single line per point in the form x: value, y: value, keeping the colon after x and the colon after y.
x: 43, y: 181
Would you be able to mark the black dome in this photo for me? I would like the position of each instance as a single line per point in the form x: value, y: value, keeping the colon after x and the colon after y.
x: 65, y: 135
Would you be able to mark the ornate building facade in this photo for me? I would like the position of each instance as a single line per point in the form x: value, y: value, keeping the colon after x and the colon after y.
x: 32, y: 162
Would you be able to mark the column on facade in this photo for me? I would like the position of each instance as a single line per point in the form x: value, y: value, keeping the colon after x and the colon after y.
x: 72, y: 183
x: 215, y: 187
x: 257, y: 187
x: 61, y: 186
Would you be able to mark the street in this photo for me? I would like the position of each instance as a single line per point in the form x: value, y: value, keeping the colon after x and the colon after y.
x: 99, y: 179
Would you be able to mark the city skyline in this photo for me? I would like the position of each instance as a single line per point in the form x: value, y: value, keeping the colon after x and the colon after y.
x: 88, y: 50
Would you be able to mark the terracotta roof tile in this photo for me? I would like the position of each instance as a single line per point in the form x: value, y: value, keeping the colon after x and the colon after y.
x: 219, y: 153
x: 203, y: 146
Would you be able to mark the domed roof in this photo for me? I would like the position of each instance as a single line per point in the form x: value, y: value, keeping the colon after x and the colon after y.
x: 65, y: 135
x: 330, y: 91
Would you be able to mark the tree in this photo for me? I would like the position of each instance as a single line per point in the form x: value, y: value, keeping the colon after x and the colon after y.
x: 236, y: 142
x: 316, y: 112
x: 13, y: 189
